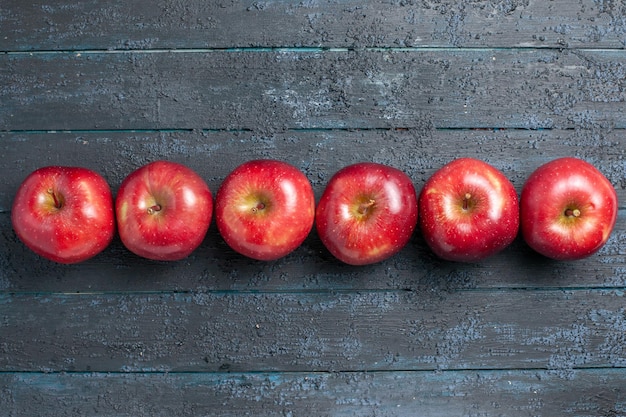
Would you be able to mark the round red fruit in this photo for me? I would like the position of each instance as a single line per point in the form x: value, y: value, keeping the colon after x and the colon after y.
x: 164, y: 210
x: 568, y: 209
x: 264, y: 209
x: 469, y: 211
x: 64, y: 214
x: 367, y: 213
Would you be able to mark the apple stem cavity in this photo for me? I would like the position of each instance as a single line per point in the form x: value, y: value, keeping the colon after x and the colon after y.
x: 572, y: 212
x: 154, y: 209
x: 57, y: 201
x: 466, y: 201
x: 365, y: 207
x: 258, y: 207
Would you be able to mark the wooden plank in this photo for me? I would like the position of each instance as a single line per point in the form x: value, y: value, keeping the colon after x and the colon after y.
x: 269, y: 91
x: 470, y: 393
x: 320, y: 83
x: 214, y: 267
x: 419, y: 152
x: 71, y: 25
x: 558, y: 331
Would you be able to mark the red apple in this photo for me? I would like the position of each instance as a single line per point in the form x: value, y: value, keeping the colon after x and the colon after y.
x: 163, y: 211
x: 367, y: 213
x: 64, y: 214
x: 568, y: 209
x: 264, y: 209
x: 469, y: 211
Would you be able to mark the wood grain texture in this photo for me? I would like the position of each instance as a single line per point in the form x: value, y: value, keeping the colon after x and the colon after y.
x: 114, y: 84
x: 418, y: 152
x: 134, y: 24
x: 391, y: 394
x: 529, y: 89
x: 214, y: 267
x: 319, y: 331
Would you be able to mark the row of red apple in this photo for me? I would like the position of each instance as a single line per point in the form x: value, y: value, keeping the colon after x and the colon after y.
x: 264, y: 209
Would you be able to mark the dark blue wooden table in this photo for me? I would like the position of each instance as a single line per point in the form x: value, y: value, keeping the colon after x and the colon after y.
x: 114, y: 84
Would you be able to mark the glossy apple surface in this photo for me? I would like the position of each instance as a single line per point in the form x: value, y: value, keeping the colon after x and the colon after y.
x: 469, y: 210
x: 64, y: 214
x: 367, y: 213
x: 568, y: 209
x: 163, y: 210
x: 265, y: 209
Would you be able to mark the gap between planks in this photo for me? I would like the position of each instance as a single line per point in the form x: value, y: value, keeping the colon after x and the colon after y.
x: 313, y: 291
x: 281, y: 49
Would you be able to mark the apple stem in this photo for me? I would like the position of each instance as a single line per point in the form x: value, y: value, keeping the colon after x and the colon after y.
x: 364, y: 207
x: 57, y: 202
x: 258, y: 207
x: 466, y: 200
x: 572, y: 212
x: 154, y: 209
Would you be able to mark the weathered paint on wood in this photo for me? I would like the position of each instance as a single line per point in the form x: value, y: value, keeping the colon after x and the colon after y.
x: 590, y: 392
x: 319, y: 331
x: 136, y: 24
x: 419, y: 152
x: 491, y: 88
x: 214, y: 267
x: 319, y: 153
x: 114, y: 84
